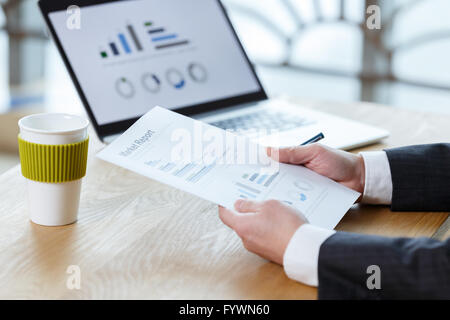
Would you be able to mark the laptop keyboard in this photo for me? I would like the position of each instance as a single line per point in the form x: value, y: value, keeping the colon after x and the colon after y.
x: 262, y: 123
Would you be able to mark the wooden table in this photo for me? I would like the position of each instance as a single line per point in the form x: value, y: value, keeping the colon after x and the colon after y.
x: 136, y: 238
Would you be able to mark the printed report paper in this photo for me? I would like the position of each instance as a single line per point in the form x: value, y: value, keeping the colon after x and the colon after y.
x: 221, y: 167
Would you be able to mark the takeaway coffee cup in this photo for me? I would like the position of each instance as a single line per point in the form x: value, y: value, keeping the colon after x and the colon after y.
x: 53, y: 154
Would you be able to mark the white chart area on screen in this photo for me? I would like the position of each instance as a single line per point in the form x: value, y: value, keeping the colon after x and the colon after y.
x: 174, y: 53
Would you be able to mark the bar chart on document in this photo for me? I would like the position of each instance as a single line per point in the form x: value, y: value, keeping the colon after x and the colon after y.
x: 209, y: 167
x: 250, y: 182
x: 289, y: 188
x: 172, y: 160
x: 191, y: 172
x: 253, y: 185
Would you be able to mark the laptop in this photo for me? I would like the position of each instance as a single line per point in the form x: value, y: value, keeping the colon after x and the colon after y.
x: 127, y: 56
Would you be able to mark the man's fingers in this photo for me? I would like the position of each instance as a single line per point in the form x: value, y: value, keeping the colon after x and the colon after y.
x: 228, y: 217
x: 245, y: 206
x: 295, y: 155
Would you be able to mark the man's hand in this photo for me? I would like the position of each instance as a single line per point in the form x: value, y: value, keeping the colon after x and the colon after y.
x: 343, y: 167
x: 264, y: 227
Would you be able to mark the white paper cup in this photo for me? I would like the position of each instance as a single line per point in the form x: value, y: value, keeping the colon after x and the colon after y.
x: 53, y: 204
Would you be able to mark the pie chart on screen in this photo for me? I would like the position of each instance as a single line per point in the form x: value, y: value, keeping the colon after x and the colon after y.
x: 175, y: 78
x: 197, y: 72
x: 124, y: 88
x: 151, y: 82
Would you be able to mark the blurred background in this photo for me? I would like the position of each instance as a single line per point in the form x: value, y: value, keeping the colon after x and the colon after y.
x: 312, y: 49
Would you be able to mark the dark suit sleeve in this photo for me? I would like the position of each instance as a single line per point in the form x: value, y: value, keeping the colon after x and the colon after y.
x: 409, y: 268
x: 420, y: 177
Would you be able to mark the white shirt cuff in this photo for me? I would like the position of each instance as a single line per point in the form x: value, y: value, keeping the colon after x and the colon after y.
x: 301, y: 258
x: 378, y: 184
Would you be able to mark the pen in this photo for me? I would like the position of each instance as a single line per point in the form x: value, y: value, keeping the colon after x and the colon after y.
x: 316, y: 138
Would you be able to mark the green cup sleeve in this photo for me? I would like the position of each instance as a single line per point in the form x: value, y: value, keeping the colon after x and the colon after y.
x: 53, y: 163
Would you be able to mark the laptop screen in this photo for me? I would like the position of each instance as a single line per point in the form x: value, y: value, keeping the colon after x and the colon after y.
x: 129, y: 56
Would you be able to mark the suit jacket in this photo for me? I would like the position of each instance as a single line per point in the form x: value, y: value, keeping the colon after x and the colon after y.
x: 408, y: 268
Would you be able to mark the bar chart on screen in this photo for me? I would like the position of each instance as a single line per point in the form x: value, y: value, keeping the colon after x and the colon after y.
x: 147, y: 37
x: 122, y: 43
x: 162, y: 37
